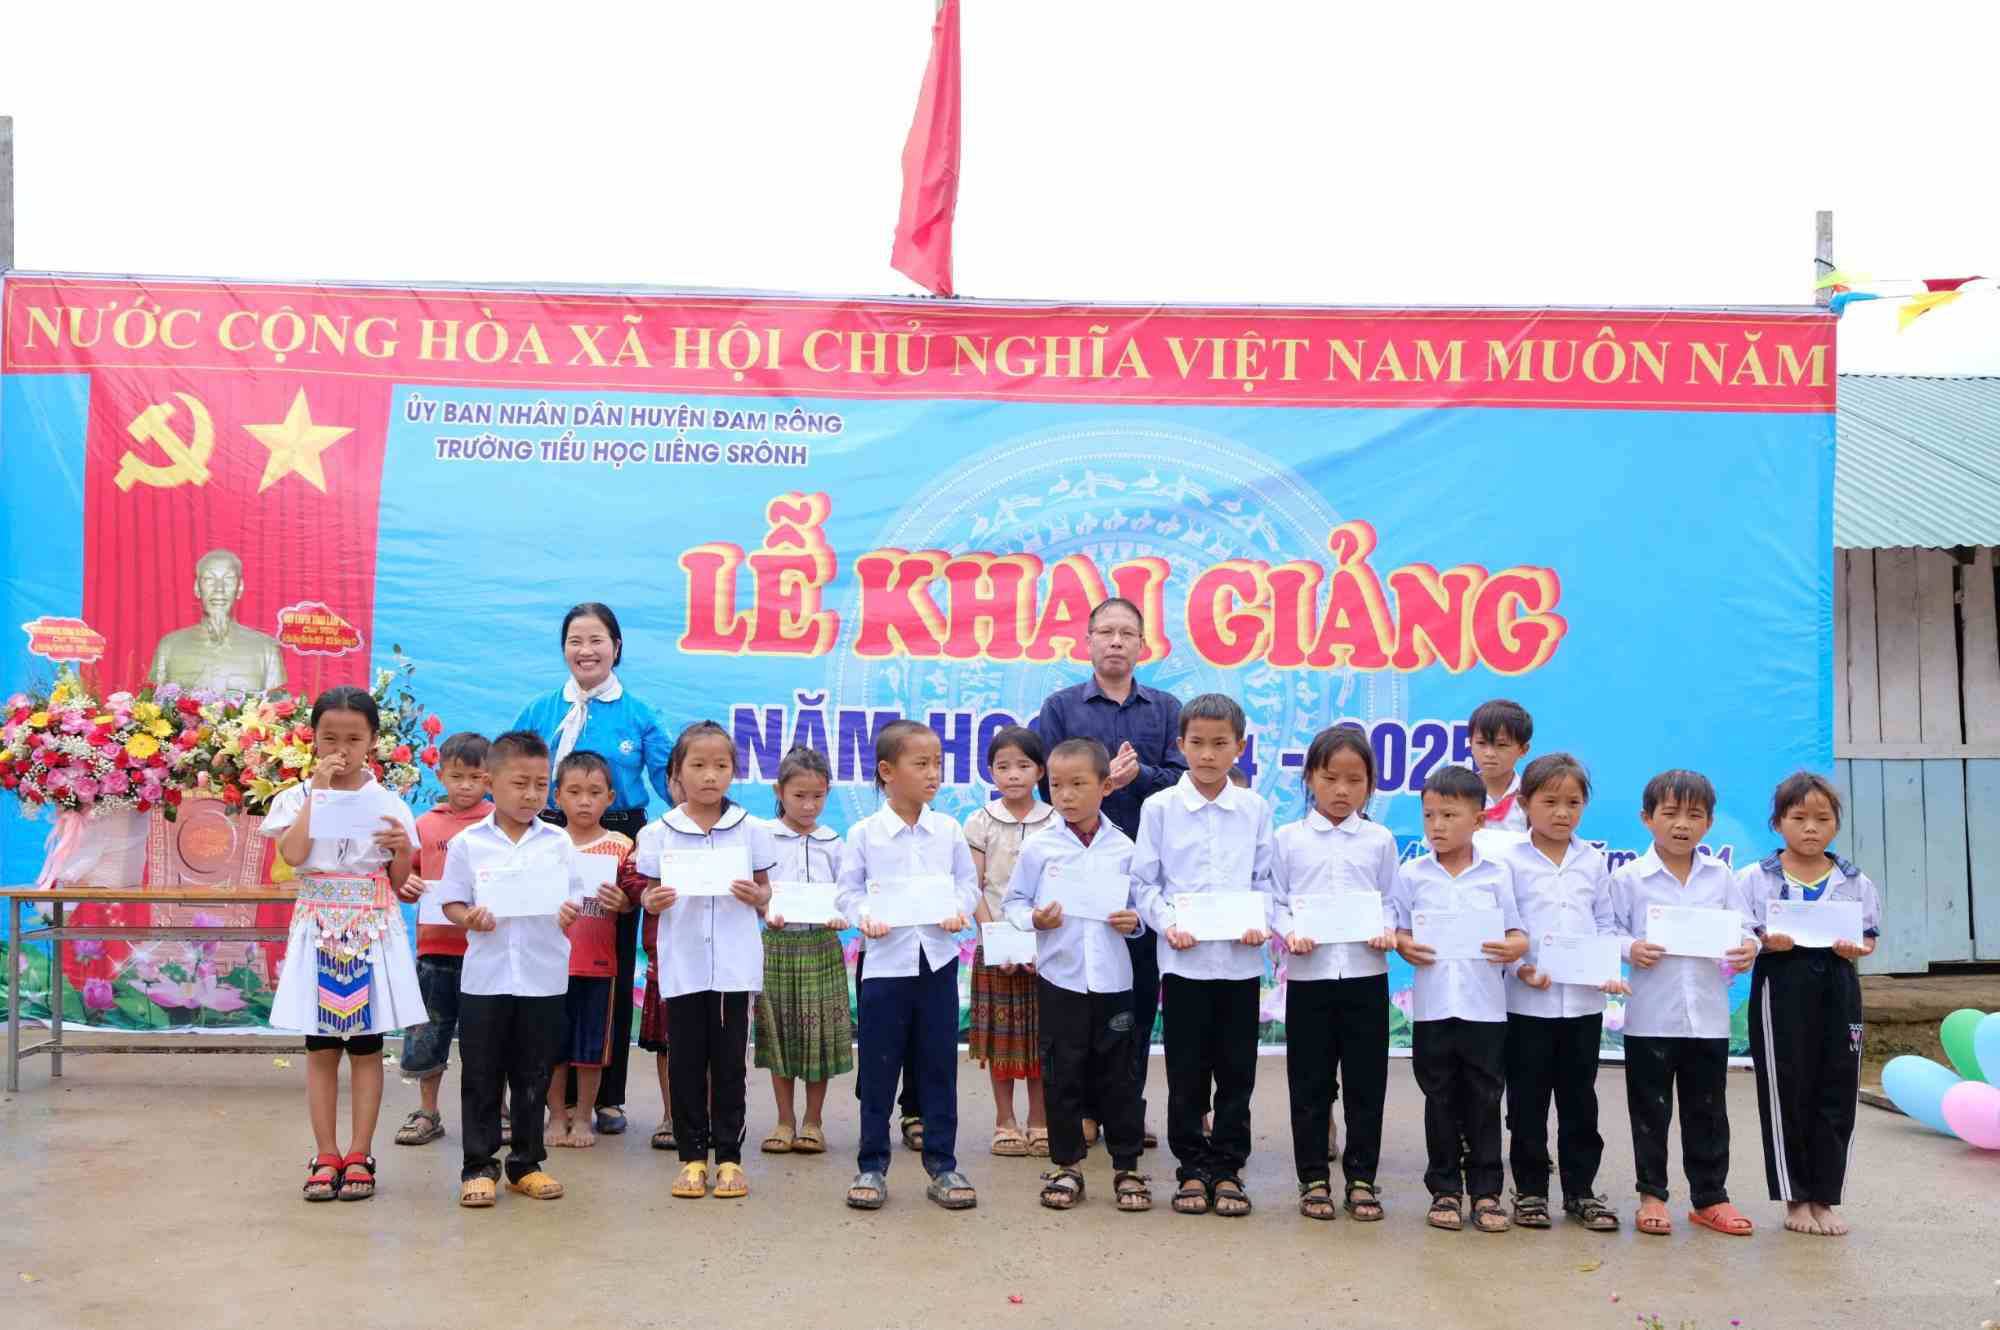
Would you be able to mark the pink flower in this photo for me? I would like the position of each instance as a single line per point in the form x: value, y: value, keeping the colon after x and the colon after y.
x: 1614, y: 1015
x: 98, y: 996
x: 116, y: 782
x: 87, y: 949
x: 1404, y: 999
x: 85, y: 787
x: 201, y: 993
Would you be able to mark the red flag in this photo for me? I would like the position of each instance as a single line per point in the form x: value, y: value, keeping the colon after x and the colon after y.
x: 930, y: 165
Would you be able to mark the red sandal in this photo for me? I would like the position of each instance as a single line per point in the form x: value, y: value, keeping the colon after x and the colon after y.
x: 322, y: 1177
x: 354, y: 1188
x: 1724, y: 1218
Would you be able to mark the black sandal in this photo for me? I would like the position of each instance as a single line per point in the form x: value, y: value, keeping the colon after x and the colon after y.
x: 1531, y: 1211
x: 913, y: 1134
x: 1230, y: 1191
x: 1062, y: 1188
x: 322, y: 1177
x: 1592, y: 1213
x: 1133, y: 1193
x: 1316, y: 1200
x: 1191, y: 1197
x: 1445, y: 1213
x: 1367, y: 1207
x: 1488, y: 1217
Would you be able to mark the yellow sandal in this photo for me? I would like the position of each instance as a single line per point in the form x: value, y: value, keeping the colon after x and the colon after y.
x: 536, y: 1186
x: 692, y: 1184
x: 730, y: 1182
x: 476, y: 1193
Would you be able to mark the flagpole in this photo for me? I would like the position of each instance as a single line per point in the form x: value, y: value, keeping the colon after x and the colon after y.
x: 1822, y: 255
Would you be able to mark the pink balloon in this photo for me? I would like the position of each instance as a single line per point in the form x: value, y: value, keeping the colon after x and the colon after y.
x: 1972, y: 1110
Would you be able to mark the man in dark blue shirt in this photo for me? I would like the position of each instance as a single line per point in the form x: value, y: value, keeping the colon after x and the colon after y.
x: 1140, y: 728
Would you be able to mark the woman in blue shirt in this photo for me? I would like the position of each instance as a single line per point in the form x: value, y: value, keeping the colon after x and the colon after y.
x: 593, y: 712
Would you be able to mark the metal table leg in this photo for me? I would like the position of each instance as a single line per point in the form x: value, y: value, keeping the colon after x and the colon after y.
x: 13, y: 994
x: 55, y: 995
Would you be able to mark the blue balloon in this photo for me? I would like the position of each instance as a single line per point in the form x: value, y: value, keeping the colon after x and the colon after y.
x: 1986, y: 1047
x: 1917, y: 1085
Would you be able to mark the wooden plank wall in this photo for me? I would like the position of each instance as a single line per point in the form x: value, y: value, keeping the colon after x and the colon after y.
x: 1917, y: 745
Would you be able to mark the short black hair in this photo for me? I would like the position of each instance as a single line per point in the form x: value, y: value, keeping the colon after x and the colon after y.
x: 1214, y: 706
x: 1499, y: 716
x: 514, y: 744
x: 701, y: 729
x: 1020, y: 737
x: 1680, y: 785
x: 346, y: 697
x: 598, y: 610
x: 1239, y: 777
x: 1794, y: 789
x: 893, y: 739
x: 465, y: 748
x: 1100, y: 758
x: 1343, y: 738
x: 583, y: 762
x: 1550, y: 768
x: 803, y: 761
x: 1456, y: 783
x: 1115, y: 603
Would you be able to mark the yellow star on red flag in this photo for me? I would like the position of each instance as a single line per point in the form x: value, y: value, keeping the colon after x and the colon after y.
x: 296, y: 444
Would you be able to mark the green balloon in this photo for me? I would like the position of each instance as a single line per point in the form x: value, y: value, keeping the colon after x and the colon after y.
x: 1956, y: 1035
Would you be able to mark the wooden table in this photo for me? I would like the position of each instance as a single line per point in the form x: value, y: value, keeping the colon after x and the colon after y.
x: 58, y: 932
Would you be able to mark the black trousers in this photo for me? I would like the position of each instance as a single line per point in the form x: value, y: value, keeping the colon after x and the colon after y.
x: 1086, y: 1048
x: 1459, y: 1066
x: 1700, y: 1068
x: 1211, y: 1053
x: 1553, y: 1058
x: 1337, y: 1024
x: 512, y: 1043
x: 1805, y: 1038
x: 710, y: 1032
x: 906, y: 1098
x: 611, y: 1089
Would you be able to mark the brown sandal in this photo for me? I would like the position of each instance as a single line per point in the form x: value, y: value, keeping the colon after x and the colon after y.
x: 1316, y: 1200
x: 1231, y: 1201
x: 1445, y: 1213
x: 1133, y: 1193
x: 1363, y: 1202
x: 1062, y: 1188
x: 1488, y: 1217
x: 1191, y: 1197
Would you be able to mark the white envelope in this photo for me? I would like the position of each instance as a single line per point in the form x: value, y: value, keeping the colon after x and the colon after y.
x: 511, y: 894
x: 596, y: 870
x: 905, y: 902
x: 430, y: 905
x: 1004, y: 944
x: 1458, y: 935
x: 1219, y: 916
x: 1818, y: 923
x: 804, y: 902
x: 704, y: 872
x: 1337, y: 916
x: 350, y: 814
x: 1688, y: 930
x: 1577, y: 958
x: 1085, y: 895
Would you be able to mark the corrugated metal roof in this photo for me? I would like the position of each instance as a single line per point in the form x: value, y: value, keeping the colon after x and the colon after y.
x: 1918, y: 462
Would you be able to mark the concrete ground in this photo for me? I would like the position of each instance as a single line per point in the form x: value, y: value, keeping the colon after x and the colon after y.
x: 145, y: 1191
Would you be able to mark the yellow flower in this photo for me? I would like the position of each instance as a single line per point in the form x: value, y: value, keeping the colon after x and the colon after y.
x: 59, y: 694
x: 159, y: 727
x: 39, y: 721
x: 105, y: 719
x: 147, y: 711
x: 142, y: 746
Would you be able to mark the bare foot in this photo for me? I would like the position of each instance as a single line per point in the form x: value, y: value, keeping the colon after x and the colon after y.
x: 582, y: 1138
x: 558, y: 1139
x: 1829, y: 1223
x: 1799, y: 1218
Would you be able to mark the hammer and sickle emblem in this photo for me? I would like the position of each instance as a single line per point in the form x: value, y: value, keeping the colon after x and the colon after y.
x: 187, y: 459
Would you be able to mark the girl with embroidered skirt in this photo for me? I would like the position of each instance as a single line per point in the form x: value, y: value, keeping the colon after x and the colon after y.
x: 349, y: 975
x: 1004, y: 1032
x: 711, y: 951
x: 804, y: 1030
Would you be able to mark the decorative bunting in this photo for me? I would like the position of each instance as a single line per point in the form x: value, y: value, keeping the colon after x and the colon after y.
x: 1922, y: 305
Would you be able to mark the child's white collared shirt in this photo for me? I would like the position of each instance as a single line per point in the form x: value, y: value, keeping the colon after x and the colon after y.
x: 1318, y: 855
x: 1679, y: 997
x: 707, y: 943
x: 521, y: 957
x: 1468, y: 990
x: 1080, y: 955
x: 812, y: 856
x: 883, y: 846
x: 1191, y: 843
x: 1572, y: 898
